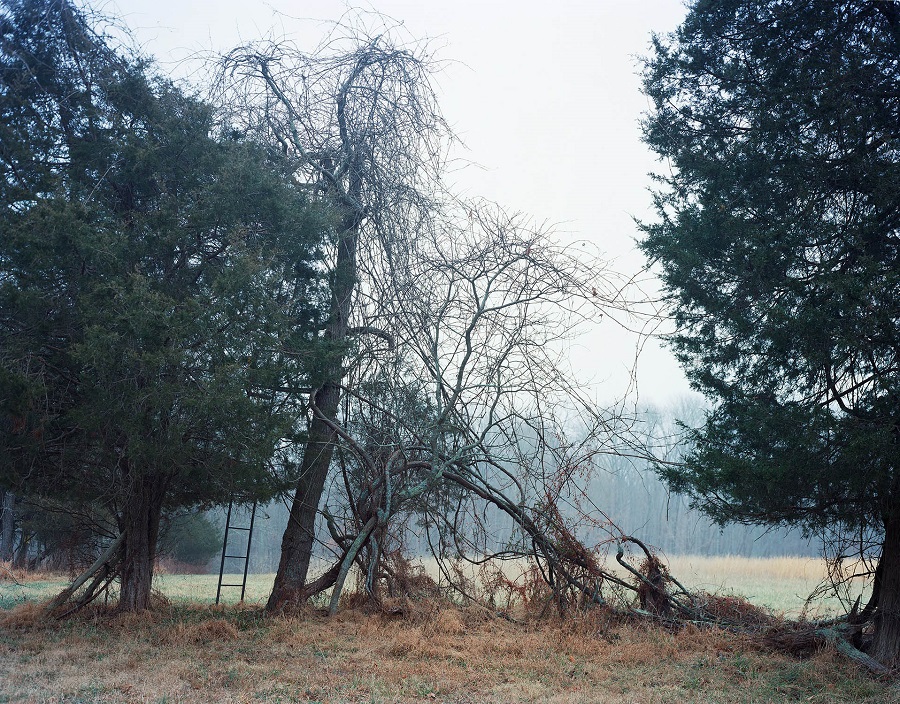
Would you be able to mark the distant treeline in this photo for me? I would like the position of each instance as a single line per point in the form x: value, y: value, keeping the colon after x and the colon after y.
x: 626, y: 490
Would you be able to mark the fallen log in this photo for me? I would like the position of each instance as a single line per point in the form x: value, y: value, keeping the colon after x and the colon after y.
x: 100, y: 562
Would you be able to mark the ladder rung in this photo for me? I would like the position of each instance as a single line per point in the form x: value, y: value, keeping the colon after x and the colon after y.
x: 245, y: 557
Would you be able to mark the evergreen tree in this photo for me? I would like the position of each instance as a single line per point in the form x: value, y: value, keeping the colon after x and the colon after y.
x: 778, y: 239
x: 159, y: 289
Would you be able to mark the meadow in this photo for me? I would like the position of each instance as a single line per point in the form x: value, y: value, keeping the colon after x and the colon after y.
x: 189, y: 650
x: 781, y: 584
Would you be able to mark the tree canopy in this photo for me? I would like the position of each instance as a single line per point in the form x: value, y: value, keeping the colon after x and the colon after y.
x: 160, y: 287
x: 777, y: 239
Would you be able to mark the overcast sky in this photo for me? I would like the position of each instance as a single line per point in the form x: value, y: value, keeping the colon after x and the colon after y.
x: 545, y: 96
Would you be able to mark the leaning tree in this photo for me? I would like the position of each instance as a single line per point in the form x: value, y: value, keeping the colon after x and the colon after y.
x: 409, y: 268
x: 778, y: 238
x: 159, y: 292
x: 469, y: 429
x: 359, y: 118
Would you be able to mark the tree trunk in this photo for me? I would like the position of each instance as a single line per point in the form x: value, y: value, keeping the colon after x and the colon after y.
x: 886, y: 648
x: 20, y: 560
x: 7, y: 527
x: 299, y: 535
x: 140, y: 524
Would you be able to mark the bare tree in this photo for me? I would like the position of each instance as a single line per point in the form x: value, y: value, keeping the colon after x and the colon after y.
x: 360, y: 117
x: 473, y: 303
x: 473, y: 411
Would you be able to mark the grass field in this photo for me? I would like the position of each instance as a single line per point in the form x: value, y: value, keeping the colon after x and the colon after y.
x: 188, y: 650
x: 194, y: 654
x: 781, y: 584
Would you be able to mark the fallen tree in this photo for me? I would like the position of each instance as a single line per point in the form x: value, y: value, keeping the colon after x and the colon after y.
x: 467, y: 416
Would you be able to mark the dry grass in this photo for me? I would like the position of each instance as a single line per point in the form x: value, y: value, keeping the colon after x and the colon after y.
x: 781, y: 584
x: 436, y: 652
x: 19, y: 575
x: 189, y: 651
x: 725, y: 566
x: 778, y: 583
x: 27, y: 615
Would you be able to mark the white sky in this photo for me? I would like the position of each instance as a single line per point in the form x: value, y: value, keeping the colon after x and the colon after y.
x: 545, y: 96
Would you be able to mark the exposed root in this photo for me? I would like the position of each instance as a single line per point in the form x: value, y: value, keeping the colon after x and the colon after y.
x: 804, y: 639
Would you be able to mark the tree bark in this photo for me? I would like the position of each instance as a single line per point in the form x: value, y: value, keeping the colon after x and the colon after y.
x: 299, y: 535
x: 886, y: 647
x: 108, y: 556
x: 20, y: 559
x: 7, y: 527
x: 141, y: 517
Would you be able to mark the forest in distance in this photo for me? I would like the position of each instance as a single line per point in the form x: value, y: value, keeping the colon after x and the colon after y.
x: 627, y: 488
x: 630, y: 492
x: 260, y: 286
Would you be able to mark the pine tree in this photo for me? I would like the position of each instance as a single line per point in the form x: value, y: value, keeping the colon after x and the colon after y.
x: 159, y: 289
x: 778, y: 239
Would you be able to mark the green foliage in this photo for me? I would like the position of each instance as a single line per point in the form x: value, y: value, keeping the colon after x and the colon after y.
x: 160, y: 286
x: 192, y: 538
x: 778, y: 239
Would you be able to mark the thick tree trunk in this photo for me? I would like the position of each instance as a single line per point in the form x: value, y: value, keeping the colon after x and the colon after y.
x: 886, y: 648
x: 299, y: 535
x: 7, y: 527
x: 140, y: 524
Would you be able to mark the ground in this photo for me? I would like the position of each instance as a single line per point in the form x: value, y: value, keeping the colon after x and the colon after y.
x: 190, y: 653
x: 189, y: 650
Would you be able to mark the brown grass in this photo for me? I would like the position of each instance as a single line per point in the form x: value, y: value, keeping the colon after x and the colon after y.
x: 213, y: 630
x: 19, y: 575
x: 27, y: 615
x: 429, y: 652
x: 736, y: 566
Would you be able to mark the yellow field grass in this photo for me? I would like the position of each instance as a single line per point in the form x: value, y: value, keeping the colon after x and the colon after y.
x: 725, y: 566
x: 190, y: 651
x: 435, y: 652
x: 781, y: 583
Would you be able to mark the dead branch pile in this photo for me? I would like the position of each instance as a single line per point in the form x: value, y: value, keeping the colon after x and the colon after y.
x: 736, y: 610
